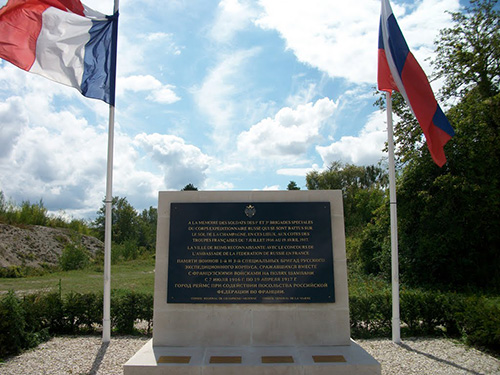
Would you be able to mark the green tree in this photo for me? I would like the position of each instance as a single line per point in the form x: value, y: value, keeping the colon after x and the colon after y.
x: 74, y: 257
x: 447, y: 216
x: 124, y: 221
x: 147, y: 222
x: 132, y: 234
x: 189, y: 187
x: 468, y: 54
x: 363, y: 190
x: 292, y: 186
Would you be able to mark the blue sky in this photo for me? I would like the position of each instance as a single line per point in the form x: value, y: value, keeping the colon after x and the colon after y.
x: 226, y: 95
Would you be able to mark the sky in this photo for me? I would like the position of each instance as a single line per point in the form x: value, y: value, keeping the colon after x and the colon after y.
x: 225, y: 95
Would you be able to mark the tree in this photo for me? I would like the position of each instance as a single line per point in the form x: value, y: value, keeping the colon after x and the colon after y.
x: 447, y: 216
x: 292, y: 186
x: 362, y: 190
x: 124, y: 221
x: 189, y: 187
x: 133, y: 234
x: 147, y: 221
x: 468, y: 54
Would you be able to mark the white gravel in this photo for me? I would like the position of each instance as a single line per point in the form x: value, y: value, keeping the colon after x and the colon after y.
x: 85, y: 355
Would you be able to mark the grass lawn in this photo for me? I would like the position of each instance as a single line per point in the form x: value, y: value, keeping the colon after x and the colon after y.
x: 135, y: 275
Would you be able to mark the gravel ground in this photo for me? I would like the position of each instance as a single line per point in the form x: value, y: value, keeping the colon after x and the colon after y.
x: 87, y: 356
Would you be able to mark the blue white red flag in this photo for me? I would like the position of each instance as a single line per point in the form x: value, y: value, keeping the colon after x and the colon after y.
x: 62, y: 40
x: 399, y: 70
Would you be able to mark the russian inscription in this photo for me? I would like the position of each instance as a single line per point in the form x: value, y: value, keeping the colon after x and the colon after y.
x: 279, y: 252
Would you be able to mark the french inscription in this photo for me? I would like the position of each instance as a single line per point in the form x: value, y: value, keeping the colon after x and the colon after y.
x: 259, y: 253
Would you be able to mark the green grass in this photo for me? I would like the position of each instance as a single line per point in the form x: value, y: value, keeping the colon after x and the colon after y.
x: 134, y: 275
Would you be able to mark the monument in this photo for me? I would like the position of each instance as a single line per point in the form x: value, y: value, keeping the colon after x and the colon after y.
x: 251, y: 283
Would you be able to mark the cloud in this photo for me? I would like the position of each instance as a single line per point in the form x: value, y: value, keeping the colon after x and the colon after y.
x: 13, y: 120
x: 164, y: 41
x: 365, y: 149
x: 219, y: 93
x: 55, y: 154
x: 298, y: 172
x: 288, y: 136
x: 340, y: 39
x: 63, y: 163
x: 232, y: 16
x: 180, y: 163
x: 159, y: 93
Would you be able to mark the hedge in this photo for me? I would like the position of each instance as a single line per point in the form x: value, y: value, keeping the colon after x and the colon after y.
x: 25, y: 321
x: 475, y: 319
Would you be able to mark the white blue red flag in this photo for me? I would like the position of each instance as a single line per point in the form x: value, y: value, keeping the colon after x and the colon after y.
x: 62, y: 40
x: 399, y: 70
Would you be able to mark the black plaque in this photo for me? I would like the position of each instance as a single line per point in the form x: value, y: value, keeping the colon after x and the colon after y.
x: 259, y: 252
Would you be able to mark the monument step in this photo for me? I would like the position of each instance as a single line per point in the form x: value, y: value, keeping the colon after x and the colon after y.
x: 320, y: 360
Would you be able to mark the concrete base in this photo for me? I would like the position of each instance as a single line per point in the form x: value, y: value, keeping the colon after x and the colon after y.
x: 321, y: 360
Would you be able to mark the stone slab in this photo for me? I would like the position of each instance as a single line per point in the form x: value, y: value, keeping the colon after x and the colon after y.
x: 304, y: 360
x: 284, y: 324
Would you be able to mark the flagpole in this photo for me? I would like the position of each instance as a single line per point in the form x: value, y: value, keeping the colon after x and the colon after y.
x: 396, y: 330
x: 106, y: 308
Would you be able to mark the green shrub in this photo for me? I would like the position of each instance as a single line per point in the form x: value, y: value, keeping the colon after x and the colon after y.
x: 28, y: 321
x: 479, y: 323
x: 127, y: 250
x: 36, y: 214
x: 125, y: 310
x: 82, y: 311
x: 74, y: 257
x: 12, y: 325
x: 11, y: 272
x: 52, y: 313
x: 370, y: 313
x: 33, y: 214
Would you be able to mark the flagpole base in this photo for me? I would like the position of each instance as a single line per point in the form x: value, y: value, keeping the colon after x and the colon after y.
x: 396, y: 331
x: 106, y: 330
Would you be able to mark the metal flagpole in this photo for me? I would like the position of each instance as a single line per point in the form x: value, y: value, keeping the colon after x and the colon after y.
x: 396, y: 330
x: 106, y: 320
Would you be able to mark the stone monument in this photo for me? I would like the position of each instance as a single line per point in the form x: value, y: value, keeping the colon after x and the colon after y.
x: 251, y: 283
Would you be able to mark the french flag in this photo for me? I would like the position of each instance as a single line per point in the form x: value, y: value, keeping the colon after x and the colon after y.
x: 62, y: 40
x: 399, y: 70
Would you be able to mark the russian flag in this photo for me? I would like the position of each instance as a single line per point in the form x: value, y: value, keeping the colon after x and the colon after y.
x: 62, y: 40
x: 399, y: 70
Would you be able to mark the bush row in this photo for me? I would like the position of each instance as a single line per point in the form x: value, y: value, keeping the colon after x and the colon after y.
x: 28, y: 213
x: 475, y: 319
x: 28, y: 320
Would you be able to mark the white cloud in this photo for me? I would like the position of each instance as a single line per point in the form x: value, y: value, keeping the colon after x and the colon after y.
x: 298, y: 172
x: 364, y: 149
x: 181, y: 163
x: 218, y: 95
x: 271, y: 188
x: 13, y: 120
x: 159, y: 93
x: 341, y: 39
x: 232, y: 16
x: 287, y: 136
x: 63, y: 163
x: 55, y: 154
x: 164, y: 41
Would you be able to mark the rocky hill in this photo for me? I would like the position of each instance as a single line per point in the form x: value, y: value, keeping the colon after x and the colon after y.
x: 31, y: 246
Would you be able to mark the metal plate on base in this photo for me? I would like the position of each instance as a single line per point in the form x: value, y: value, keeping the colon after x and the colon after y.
x: 278, y: 359
x: 174, y: 359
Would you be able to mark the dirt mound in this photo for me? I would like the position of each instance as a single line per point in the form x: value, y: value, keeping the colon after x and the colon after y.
x: 31, y: 246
